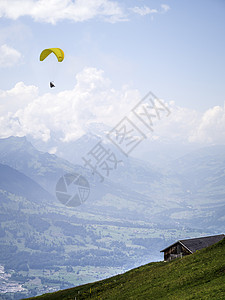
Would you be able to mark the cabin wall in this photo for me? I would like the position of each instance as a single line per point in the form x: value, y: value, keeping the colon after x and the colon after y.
x: 175, y: 251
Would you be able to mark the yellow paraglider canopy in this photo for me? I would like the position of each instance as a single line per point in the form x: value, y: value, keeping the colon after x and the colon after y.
x: 57, y: 51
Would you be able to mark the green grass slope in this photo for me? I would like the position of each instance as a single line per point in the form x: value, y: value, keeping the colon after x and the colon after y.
x: 197, y: 276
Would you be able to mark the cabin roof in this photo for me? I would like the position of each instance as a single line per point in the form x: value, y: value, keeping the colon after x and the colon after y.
x: 198, y: 243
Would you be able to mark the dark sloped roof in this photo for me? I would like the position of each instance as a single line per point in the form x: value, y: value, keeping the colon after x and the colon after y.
x: 198, y: 243
x: 203, y: 242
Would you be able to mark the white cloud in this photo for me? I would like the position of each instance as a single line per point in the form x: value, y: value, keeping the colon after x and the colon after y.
x: 52, y: 11
x: 16, y: 98
x: 144, y: 10
x: 211, y: 127
x: 165, y: 7
x: 8, y: 56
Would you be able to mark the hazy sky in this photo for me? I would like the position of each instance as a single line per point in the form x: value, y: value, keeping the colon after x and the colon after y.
x: 115, y: 52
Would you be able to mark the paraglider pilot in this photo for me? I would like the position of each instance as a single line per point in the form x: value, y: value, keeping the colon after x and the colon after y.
x: 52, y: 84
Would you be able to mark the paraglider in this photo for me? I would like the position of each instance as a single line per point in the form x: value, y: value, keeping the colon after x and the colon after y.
x: 59, y: 55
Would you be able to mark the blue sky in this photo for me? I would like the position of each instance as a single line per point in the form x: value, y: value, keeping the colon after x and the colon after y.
x: 176, y: 49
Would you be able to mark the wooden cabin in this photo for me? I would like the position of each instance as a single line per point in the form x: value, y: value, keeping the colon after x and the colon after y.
x: 189, y: 246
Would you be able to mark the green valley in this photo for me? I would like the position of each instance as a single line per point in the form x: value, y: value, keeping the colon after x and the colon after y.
x: 197, y: 276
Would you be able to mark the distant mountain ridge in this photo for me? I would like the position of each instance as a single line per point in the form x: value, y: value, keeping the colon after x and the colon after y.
x: 19, y: 184
x: 44, y: 168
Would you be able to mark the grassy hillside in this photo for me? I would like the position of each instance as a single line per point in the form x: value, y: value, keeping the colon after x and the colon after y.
x: 198, y: 276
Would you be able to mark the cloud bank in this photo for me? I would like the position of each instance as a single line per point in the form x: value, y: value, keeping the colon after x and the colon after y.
x: 68, y: 114
x: 23, y: 111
